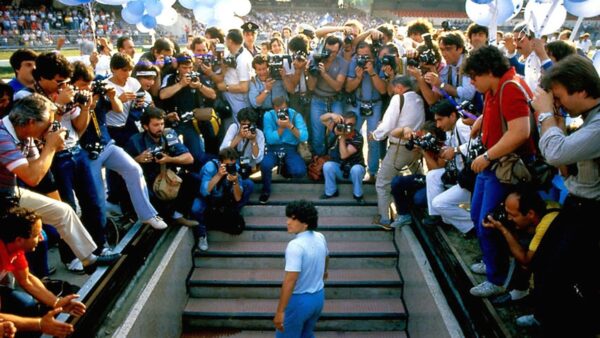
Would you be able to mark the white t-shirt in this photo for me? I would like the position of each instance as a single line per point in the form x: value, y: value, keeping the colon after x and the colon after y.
x: 114, y: 119
x: 233, y: 76
x: 412, y: 115
x: 306, y: 254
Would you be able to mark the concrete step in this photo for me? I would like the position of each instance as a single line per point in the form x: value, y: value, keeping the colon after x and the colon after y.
x: 266, y: 283
x: 365, y: 212
x: 231, y: 333
x: 344, y: 188
x: 280, y: 234
x: 257, y: 314
x: 365, y: 254
x: 284, y: 197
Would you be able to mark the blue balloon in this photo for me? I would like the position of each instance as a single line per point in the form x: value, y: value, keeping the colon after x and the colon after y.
x: 154, y: 7
x: 482, y: 2
x: 131, y: 19
x: 207, y: 3
x: 70, y: 2
x: 136, y: 7
x: 583, y: 8
x: 149, y: 21
x: 189, y: 4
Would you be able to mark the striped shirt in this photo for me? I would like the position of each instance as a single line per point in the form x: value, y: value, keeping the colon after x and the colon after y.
x: 13, y: 153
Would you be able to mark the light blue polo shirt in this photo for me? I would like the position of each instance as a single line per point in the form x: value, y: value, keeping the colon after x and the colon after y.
x: 306, y: 254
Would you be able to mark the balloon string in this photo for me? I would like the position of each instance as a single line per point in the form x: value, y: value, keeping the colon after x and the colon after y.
x: 92, y: 22
x: 546, y: 19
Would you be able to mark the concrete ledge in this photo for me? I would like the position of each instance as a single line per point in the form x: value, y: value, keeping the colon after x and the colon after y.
x: 429, y: 313
x: 156, y: 311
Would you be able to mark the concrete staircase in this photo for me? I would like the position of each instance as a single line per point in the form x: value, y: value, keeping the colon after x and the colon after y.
x: 234, y: 286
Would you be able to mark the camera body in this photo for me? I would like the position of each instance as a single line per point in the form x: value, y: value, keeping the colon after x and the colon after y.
x: 361, y: 61
x: 157, y: 153
x: 94, y: 150
x: 344, y: 128
x: 168, y: 60
x: 207, y: 59
x: 282, y: 114
x: 299, y: 55
x: 348, y: 39
x: 366, y: 109
x: 186, y: 117
x: 252, y: 129
x: 389, y: 60
x: 80, y: 98
x: 376, y: 46
x: 469, y: 107
x: 245, y: 167
x: 346, y: 168
x: 427, y: 142
x: 231, y: 168
x: 193, y: 76
x: 276, y: 65
x: 476, y: 148
x: 230, y: 61
x: 56, y: 126
x: 99, y: 87
x: 313, y: 68
x: 499, y: 214
x: 427, y: 56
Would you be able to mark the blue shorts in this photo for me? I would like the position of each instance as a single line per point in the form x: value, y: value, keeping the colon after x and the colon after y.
x: 301, y: 315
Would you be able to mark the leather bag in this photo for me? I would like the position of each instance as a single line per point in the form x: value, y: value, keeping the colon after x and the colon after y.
x: 166, y: 184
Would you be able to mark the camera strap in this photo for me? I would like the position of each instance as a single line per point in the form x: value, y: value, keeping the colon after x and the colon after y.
x: 95, y: 123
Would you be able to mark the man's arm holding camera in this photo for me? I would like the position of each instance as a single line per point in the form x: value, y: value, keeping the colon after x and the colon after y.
x: 183, y: 159
x: 425, y: 90
x: 331, y: 119
x: 34, y: 171
x: 346, y: 149
x: 239, y: 88
x: 326, y: 30
x: 522, y: 255
x: 168, y: 92
x: 82, y: 120
x: 258, y: 98
x: 237, y: 188
x: 336, y: 83
x: 291, y: 81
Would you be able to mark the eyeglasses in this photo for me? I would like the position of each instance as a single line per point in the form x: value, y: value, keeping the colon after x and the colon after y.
x: 63, y: 82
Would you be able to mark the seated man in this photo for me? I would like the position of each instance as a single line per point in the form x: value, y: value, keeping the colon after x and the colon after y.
x: 247, y: 139
x: 526, y: 210
x: 221, y: 185
x: 21, y: 232
x: 346, y: 155
x: 156, y: 147
x: 284, y: 129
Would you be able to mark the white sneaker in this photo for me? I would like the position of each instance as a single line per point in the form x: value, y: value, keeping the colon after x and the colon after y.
x: 75, y: 266
x: 106, y: 251
x: 527, y: 321
x: 156, y: 222
x: 113, y: 210
x: 203, y: 243
x: 478, y: 268
x: 486, y: 289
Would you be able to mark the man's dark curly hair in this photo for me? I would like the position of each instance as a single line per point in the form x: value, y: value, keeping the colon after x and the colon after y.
x: 17, y: 222
x: 48, y: 65
x: 487, y: 59
x: 304, y: 211
x: 248, y: 114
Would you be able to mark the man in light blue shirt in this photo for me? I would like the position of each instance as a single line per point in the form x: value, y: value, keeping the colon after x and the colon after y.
x: 263, y: 88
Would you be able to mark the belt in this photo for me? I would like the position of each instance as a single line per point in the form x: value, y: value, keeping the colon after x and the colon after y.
x: 325, y: 98
x: 580, y: 202
x: 69, y: 152
x: 369, y: 101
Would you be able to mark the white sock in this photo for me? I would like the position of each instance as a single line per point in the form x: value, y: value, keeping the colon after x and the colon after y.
x: 518, y: 294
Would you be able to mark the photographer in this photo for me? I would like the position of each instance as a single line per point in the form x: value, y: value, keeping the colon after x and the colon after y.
x: 489, y: 71
x: 160, y: 55
x: 443, y: 192
x: 156, y: 147
x: 428, y: 60
x: 33, y: 307
x: 346, y: 156
x: 295, y: 76
x: 247, y: 139
x: 365, y: 84
x: 327, y: 74
x: 31, y: 119
x: 183, y: 92
x: 406, y: 109
x: 236, y: 72
x: 147, y: 74
x: 450, y: 78
x: 477, y: 35
x: 220, y: 185
x: 570, y: 247
x: 263, y: 87
x: 351, y: 30
x: 284, y: 129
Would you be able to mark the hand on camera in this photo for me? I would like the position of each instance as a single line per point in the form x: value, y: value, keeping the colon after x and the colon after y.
x: 56, y: 139
x: 490, y: 223
x: 172, y: 117
x: 543, y: 101
x: 144, y: 157
x: 127, y: 96
x: 447, y: 153
x: 65, y: 95
x: 184, y: 80
x: 433, y: 79
x: 269, y: 84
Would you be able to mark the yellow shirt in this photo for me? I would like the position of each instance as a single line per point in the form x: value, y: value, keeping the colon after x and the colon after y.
x: 542, y: 227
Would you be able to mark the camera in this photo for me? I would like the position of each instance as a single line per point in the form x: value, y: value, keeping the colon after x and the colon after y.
x: 344, y: 128
x: 376, y: 46
x: 94, y: 150
x: 450, y: 175
x: 427, y: 56
x: 499, y: 214
x: 348, y: 39
x: 361, y: 61
x: 427, y: 142
x: 157, y: 153
x: 193, y: 76
x: 207, y: 59
x: 476, y: 148
x: 348, y: 98
x: 230, y: 61
x: 469, y: 107
x: 389, y: 60
x: 305, y: 99
x: 313, y: 68
x: 276, y: 65
x: 186, y: 117
x: 282, y: 114
x: 366, y: 109
x: 99, y: 87
x: 299, y: 56
x: 245, y: 167
x: 168, y: 60
x: 231, y: 168
x: 80, y: 98
x: 252, y: 129
x: 140, y: 103
x: 280, y: 160
x: 346, y: 168
x: 56, y: 126
x: 412, y: 63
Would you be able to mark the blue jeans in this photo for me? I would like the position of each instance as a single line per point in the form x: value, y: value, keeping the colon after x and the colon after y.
x: 301, y: 315
x: 293, y: 163
x: 194, y: 142
x: 409, y: 191
x: 73, y: 173
x: 318, y: 107
x: 115, y: 158
x: 200, y: 204
x: 374, y: 154
x: 487, y: 194
x: 18, y: 302
x: 332, y: 171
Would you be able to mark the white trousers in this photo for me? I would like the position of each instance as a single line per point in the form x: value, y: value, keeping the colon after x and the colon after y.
x: 446, y: 205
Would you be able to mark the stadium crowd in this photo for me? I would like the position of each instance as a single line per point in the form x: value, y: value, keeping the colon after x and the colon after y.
x: 489, y: 135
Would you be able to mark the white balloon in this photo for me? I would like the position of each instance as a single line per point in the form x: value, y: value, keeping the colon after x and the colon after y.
x: 584, y: 8
x: 112, y: 2
x: 143, y: 29
x: 535, y: 15
x: 242, y: 7
x: 517, y: 6
x: 224, y: 9
x: 482, y: 13
x: 203, y: 14
x: 168, y: 3
x: 596, y: 60
x: 168, y: 17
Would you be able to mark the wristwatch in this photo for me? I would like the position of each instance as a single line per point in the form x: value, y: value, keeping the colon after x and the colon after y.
x: 543, y: 116
x: 442, y: 85
x: 486, y: 157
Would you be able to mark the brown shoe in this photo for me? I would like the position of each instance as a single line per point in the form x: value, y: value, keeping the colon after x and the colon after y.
x: 186, y: 222
x: 370, y: 179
